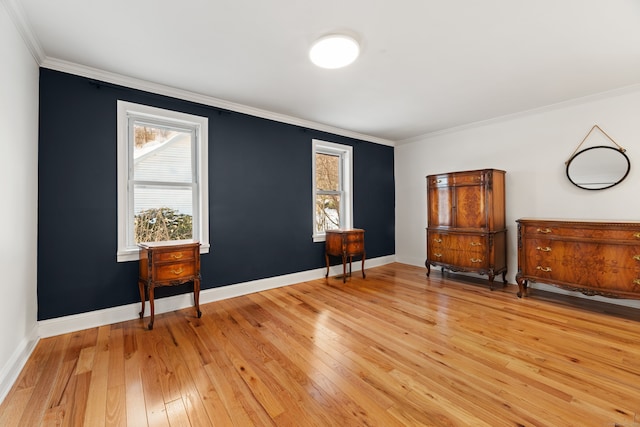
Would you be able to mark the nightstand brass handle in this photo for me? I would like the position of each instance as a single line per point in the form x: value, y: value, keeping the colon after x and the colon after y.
x: 636, y: 282
x: 636, y: 257
x: 476, y: 260
x: 545, y: 249
x: 546, y: 230
x: 475, y: 244
x: 178, y: 271
x: 637, y: 235
x: 437, y: 240
x: 437, y: 255
x: 545, y: 269
x: 177, y: 256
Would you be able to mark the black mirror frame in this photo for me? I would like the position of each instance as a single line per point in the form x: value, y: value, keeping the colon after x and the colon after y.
x: 591, y: 148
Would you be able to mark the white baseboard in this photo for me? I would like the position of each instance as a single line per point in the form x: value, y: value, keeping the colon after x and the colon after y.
x: 410, y: 260
x: 16, y: 362
x: 92, y: 319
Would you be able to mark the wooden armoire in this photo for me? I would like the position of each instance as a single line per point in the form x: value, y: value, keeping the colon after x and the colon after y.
x: 466, y: 227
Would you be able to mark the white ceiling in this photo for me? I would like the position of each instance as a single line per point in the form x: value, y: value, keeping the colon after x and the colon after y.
x: 425, y: 66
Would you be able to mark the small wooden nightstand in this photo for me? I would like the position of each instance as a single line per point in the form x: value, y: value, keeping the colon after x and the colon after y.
x: 345, y: 243
x: 168, y: 264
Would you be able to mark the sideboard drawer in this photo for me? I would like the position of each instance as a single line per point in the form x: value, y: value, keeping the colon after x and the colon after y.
x: 558, y: 230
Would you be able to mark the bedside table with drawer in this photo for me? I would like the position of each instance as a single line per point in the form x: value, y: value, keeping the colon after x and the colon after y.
x: 168, y: 264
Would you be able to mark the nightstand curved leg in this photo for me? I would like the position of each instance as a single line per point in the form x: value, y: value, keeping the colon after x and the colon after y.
x: 196, y: 296
x: 142, y: 297
x: 344, y: 268
x: 363, y: 257
x: 326, y: 257
x: 152, y: 308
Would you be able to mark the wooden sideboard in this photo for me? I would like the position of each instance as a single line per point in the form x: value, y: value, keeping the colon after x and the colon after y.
x: 345, y: 243
x: 466, y: 222
x: 592, y: 257
x: 168, y: 264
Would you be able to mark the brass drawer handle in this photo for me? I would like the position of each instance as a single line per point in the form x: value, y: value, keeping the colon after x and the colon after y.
x: 546, y: 230
x: 178, y: 271
x: 437, y: 181
x: 177, y: 256
x: 636, y: 282
x: 545, y: 269
x: 437, y: 240
x: 636, y: 257
x: 437, y: 255
x: 476, y: 260
x: 637, y: 235
x: 475, y: 244
x: 545, y: 249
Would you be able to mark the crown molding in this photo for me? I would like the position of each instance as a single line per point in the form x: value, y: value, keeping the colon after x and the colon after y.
x: 507, y: 117
x: 17, y: 15
x: 134, y: 83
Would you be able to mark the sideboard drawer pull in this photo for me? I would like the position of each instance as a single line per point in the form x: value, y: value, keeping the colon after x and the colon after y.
x: 437, y: 240
x: 475, y: 244
x: 437, y: 255
x: 177, y: 256
x: 178, y: 271
x: 636, y: 282
x: 636, y: 257
x: 637, y: 235
x: 546, y: 230
x: 545, y: 249
x: 545, y: 269
x: 476, y: 260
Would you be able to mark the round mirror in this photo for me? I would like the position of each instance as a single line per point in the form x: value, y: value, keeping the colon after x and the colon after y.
x: 597, y: 168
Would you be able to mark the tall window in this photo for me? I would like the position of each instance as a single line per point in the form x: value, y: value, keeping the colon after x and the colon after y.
x: 332, y: 187
x: 162, y: 178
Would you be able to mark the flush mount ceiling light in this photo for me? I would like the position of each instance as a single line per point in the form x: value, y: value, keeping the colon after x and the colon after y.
x: 334, y: 51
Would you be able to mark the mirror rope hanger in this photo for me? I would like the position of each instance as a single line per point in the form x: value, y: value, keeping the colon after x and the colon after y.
x: 585, y: 138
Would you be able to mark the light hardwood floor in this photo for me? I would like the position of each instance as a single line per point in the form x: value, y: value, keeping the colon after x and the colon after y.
x: 394, y: 349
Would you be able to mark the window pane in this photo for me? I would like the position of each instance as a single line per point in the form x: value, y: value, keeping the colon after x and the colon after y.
x: 327, y: 172
x: 162, y: 214
x: 162, y: 154
x: 327, y: 212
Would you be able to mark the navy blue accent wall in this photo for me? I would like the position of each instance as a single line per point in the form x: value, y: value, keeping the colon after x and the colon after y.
x: 259, y: 196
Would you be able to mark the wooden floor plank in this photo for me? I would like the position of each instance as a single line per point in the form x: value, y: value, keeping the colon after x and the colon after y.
x: 394, y: 349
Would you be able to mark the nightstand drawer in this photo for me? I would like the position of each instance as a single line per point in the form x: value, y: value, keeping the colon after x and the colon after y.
x: 176, y: 270
x: 182, y: 255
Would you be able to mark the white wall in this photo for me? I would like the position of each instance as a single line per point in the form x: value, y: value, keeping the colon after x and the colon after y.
x: 532, y: 148
x: 18, y: 200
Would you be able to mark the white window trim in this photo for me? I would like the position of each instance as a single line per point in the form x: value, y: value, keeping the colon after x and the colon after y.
x: 130, y: 253
x: 346, y: 153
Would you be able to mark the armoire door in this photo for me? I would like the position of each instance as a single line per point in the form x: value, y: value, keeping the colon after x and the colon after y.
x: 470, y: 207
x: 440, y: 206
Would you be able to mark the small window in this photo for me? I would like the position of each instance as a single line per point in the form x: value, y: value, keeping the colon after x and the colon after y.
x: 162, y: 178
x: 332, y: 187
